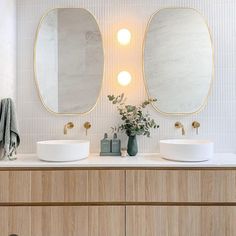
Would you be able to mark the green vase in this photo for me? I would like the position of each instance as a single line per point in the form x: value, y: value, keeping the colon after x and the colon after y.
x: 132, y: 148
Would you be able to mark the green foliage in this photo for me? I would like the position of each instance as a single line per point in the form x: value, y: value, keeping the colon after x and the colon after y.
x: 135, y: 121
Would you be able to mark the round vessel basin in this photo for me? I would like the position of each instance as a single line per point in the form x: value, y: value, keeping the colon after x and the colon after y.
x: 189, y: 150
x: 63, y: 150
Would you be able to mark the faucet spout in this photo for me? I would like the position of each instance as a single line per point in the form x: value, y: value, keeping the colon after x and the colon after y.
x: 67, y: 126
x: 179, y: 125
x: 183, y: 131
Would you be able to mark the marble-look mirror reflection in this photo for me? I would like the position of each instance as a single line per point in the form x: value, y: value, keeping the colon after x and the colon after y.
x: 178, y: 60
x: 69, y: 60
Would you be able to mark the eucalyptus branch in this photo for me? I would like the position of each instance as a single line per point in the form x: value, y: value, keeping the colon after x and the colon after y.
x: 135, y: 122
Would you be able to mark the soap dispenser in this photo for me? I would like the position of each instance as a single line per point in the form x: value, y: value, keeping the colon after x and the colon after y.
x: 115, y: 145
x: 105, y: 146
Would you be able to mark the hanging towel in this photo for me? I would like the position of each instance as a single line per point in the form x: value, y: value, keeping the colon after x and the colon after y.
x: 9, y: 135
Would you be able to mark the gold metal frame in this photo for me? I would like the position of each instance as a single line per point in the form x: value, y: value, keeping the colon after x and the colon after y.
x: 35, y: 71
x: 203, y: 105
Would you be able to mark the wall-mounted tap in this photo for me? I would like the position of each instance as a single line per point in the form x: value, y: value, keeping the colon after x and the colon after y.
x: 67, y: 126
x: 196, y: 126
x: 179, y: 125
x: 87, y: 126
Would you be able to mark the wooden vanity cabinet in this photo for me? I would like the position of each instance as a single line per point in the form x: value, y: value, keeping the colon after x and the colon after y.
x: 118, y: 202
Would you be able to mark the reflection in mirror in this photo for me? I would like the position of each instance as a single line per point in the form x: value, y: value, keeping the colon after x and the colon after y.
x: 69, y: 61
x: 178, y: 60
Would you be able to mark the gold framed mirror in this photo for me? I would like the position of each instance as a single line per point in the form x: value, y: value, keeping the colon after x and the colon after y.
x: 178, y: 61
x: 68, y: 61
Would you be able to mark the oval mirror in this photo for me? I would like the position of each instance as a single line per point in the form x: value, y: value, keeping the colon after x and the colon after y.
x: 178, y: 60
x: 68, y: 61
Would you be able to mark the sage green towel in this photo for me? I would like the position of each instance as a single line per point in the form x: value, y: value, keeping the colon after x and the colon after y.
x: 9, y: 135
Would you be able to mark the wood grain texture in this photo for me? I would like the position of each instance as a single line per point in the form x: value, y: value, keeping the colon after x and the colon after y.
x: 19, y: 186
x: 118, y: 186
x: 62, y: 186
x: 59, y: 186
x: 181, y: 186
x: 4, y: 186
x: 107, y: 221
x: 12, y: 221
x: 44, y: 221
x: 180, y: 221
x: 106, y: 185
x: 61, y: 221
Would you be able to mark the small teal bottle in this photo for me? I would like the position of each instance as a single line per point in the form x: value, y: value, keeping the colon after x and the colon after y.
x: 115, y: 145
x: 105, y: 145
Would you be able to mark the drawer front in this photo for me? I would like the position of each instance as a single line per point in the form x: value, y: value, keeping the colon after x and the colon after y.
x: 63, y: 220
x: 62, y: 186
x: 15, y: 186
x: 181, y: 185
x: 180, y: 220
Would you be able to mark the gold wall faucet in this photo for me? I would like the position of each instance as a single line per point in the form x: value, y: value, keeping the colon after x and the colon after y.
x: 179, y: 125
x: 67, y: 126
x: 196, y: 126
x: 87, y: 126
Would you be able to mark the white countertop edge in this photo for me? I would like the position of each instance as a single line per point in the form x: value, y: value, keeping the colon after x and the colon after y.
x: 142, y: 160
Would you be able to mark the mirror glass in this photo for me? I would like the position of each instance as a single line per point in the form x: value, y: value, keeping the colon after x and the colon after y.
x: 178, y: 60
x: 69, y: 61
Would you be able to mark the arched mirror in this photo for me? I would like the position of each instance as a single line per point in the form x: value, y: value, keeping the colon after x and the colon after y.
x: 178, y: 60
x: 68, y: 61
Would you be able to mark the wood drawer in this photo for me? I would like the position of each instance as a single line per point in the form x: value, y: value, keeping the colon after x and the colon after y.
x: 181, y: 220
x: 62, y: 186
x: 63, y: 220
x: 181, y: 186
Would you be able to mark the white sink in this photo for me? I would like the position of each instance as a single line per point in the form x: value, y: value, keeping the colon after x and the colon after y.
x: 186, y: 149
x: 63, y: 150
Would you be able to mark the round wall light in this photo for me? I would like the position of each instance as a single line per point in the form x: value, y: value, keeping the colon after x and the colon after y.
x: 124, y: 36
x: 124, y: 78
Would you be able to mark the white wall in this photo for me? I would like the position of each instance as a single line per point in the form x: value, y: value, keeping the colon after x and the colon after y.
x: 217, y: 119
x: 7, y: 49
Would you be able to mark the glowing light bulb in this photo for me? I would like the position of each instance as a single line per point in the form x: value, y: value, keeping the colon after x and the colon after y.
x: 124, y: 36
x: 124, y: 78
